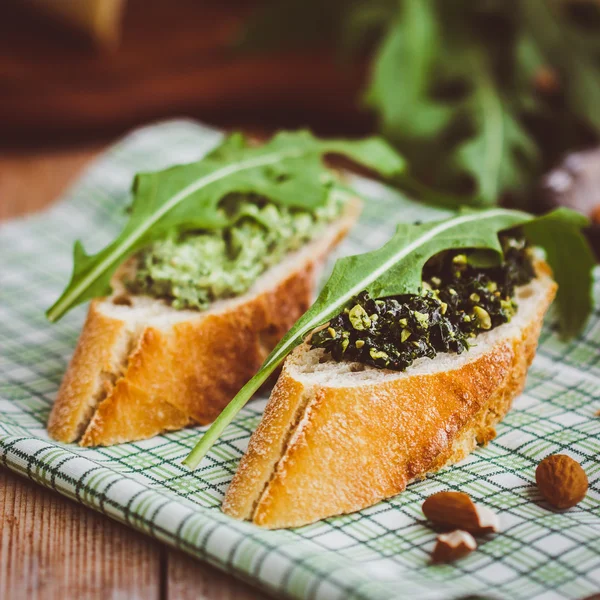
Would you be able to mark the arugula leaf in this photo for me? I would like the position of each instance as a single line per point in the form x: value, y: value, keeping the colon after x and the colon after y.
x: 507, y: 127
x: 427, y: 46
x: 404, y: 67
x: 500, y: 154
x: 287, y: 170
x: 396, y: 268
x: 572, y: 262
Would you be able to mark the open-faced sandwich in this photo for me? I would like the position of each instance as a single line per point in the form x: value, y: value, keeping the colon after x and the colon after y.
x: 216, y: 263
x: 407, y: 360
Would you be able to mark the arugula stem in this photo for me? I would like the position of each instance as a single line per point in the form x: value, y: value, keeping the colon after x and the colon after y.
x: 193, y: 459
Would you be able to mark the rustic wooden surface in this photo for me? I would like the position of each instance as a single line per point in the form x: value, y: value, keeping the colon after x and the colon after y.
x: 50, y: 547
x: 173, y: 58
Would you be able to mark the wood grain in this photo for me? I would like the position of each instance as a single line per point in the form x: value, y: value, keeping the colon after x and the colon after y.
x: 52, y: 548
x: 189, y: 579
x: 170, y: 61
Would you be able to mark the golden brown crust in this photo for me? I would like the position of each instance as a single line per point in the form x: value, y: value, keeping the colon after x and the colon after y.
x: 354, y: 446
x: 165, y: 378
x: 189, y: 366
x: 267, y: 445
x: 90, y: 373
x: 133, y: 414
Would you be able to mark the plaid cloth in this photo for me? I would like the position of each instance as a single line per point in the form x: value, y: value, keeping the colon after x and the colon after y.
x: 380, y: 553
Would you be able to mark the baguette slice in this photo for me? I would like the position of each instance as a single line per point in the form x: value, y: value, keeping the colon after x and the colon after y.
x: 141, y: 367
x: 338, y: 437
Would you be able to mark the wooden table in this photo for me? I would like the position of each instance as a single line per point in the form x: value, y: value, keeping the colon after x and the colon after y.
x: 51, y: 547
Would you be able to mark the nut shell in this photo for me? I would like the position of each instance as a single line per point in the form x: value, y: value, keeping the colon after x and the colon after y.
x: 561, y: 481
x: 452, y: 546
x: 456, y: 510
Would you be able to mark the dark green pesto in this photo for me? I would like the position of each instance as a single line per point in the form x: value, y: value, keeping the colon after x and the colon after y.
x: 459, y: 300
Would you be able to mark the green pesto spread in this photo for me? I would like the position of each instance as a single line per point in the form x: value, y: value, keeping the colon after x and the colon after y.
x: 192, y: 269
x: 460, y: 299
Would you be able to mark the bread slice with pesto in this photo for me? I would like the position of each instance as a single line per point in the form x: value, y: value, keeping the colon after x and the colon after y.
x: 143, y: 367
x: 337, y: 437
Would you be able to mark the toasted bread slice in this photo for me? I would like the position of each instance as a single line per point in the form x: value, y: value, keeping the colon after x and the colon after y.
x: 338, y: 437
x: 141, y: 367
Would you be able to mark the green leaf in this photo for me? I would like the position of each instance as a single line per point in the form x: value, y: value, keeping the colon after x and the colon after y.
x: 428, y: 45
x: 396, y: 268
x: 484, y: 259
x: 500, y: 155
x: 572, y: 262
x: 403, y: 72
x: 288, y: 170
x: 422, y: 66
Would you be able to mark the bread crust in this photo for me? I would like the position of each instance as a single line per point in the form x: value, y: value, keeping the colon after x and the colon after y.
x: 326, y: 450
x: 189, y: 367
x: 127, y: 383
x: 90, y: 374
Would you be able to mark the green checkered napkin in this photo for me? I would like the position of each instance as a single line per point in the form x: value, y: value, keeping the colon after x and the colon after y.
x: 379, y: 553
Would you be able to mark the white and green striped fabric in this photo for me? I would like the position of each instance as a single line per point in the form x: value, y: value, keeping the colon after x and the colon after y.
x: 380, y: 553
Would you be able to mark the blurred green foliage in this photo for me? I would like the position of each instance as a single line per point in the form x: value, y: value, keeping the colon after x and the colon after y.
x: 481, y: 96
